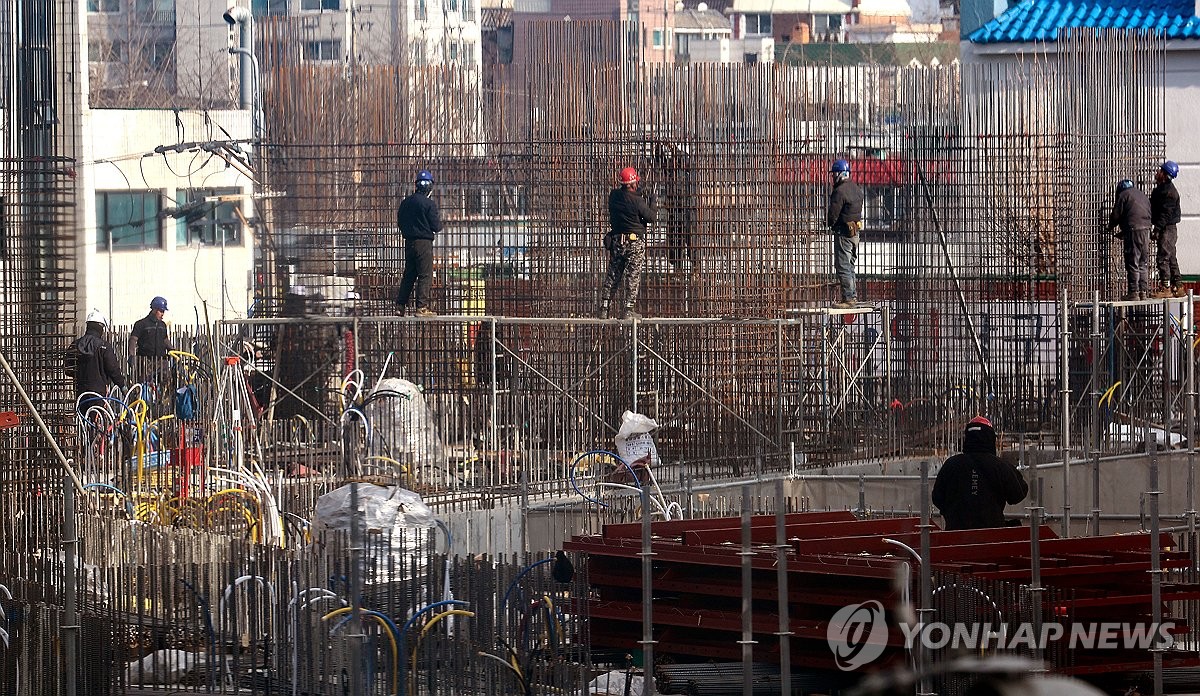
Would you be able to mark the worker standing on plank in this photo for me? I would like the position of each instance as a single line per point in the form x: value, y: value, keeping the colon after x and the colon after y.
x: 1130, y: 222
x: 1165, y: 215
x: 419, y: 221
x: 845, y: 220
x: 628, y: 212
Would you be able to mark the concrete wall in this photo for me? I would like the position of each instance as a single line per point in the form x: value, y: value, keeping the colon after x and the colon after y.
x: 1123, y: 483
x: 118, y: 155
x: 888, y: 488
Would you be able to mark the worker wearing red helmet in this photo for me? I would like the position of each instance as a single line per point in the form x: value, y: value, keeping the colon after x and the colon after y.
x: 628, y: 212
x: 972, y: 488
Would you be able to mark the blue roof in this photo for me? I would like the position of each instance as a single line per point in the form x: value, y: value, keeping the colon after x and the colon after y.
x: 1040, y: 20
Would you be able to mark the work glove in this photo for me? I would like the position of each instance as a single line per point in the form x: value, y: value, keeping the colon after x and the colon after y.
x: 1155, y: 233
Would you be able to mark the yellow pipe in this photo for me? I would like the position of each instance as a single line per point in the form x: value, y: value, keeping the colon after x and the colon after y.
x: 387, y: 630
x: 1108, y: 393
x: 412, y: 673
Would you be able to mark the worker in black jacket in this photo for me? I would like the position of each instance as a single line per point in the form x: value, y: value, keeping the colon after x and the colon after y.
x: 419, y: 221
x: 148, y: 338
x: 844, y: 218
x: 972, y: 488
x: 1165, y: 215
x: 93, y: 364
x: 628, y: 213
x: 1130, y: 219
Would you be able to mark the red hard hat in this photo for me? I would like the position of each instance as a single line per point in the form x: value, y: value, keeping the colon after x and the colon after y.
x: 629, y: 175
x: 979, y: 420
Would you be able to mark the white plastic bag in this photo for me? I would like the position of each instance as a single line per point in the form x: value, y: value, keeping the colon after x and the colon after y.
x: 166, y: 666
x: 403, y: 428
x: 613, y: 684
x: 381, y: 509
x: 635, y: 444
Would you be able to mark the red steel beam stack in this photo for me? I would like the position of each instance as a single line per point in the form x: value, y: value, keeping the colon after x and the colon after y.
x: 836, y: 559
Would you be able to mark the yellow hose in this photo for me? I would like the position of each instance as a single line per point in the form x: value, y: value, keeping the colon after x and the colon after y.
x: 1108, y: 394
x: 386, y: 629
x: 412, y: 673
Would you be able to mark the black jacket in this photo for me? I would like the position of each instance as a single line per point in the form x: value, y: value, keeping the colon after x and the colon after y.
x: 151, y: 336
x: 418, y: 217
x: 972, y: 488
x: 1131, y: 211
x: 845, y: 205
x: 629, y: 212
x: 93, y: 362
x: 1164, y: 205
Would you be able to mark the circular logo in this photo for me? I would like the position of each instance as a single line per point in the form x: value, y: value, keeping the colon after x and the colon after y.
x: 857, y: 634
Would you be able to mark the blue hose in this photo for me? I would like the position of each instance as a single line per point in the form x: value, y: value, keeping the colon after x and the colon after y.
x: 583, y: 495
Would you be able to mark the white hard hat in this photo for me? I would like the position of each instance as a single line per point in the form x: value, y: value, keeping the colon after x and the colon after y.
x: 98, y: 317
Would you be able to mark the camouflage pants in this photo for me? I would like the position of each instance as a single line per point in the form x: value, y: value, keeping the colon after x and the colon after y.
x: 625, y: 262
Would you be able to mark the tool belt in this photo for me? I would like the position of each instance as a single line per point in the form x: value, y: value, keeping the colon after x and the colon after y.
x: 616, y: 240
x: 852, y: 228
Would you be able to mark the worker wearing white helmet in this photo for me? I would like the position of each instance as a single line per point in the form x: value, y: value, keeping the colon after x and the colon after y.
x: 93, y: 363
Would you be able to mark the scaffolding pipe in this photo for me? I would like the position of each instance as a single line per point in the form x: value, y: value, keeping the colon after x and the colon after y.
x: 647, y: 554
x: 1190, y: 418
x: 747, y: 640
x: 1095, y: 410
x: 1065, y: 402
x: 782, y: 547
x: 70, y: 627
x: 1155, y: 567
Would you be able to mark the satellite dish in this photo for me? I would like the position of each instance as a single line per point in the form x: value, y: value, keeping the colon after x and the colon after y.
x: 679, y: 7
x: 702, y: 7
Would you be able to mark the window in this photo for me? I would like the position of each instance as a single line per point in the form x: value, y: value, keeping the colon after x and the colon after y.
x: 468, y: 10
x: 422, y: 9
x: 159, y: 53
x: 206, y: 221
x: 657, y: 38
x: 452, y: 52
x: 323, y: 50
x: 317, y: 5
x: 468, y: 52
x: 454, y: 5
x: 758, y: 24
x: 103, y: 5
x: 129, y: 218
x: 263, y: 8
x: 106, y: 51
x: 156, y: 11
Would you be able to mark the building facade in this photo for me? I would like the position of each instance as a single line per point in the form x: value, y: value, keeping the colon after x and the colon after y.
x: 166, y: 210
x: 993, y: 32
x: 175, y: 53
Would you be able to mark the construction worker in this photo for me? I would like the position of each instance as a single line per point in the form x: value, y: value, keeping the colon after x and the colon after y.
x: 845, y: 220
x: 148, y: 339
x: 973, y: 487
x: 1130, y: 222
x: 419, y: 222
x: 628, y: 212
x: 93, y: 363
x: 1164, y: 214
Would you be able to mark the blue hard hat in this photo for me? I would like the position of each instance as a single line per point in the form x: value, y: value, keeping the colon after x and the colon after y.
x: 1124, y: 184
x: 1170, y: 169
x: 839, y: 166
x: 159, y: 303
x: 424, y: 176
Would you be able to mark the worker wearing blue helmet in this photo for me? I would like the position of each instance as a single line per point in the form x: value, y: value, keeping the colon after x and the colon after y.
x: 148, y: 338
x: 1130, y: 218
x: 844, y: 217
x: 1165, y: 215
x: 419, y: 221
